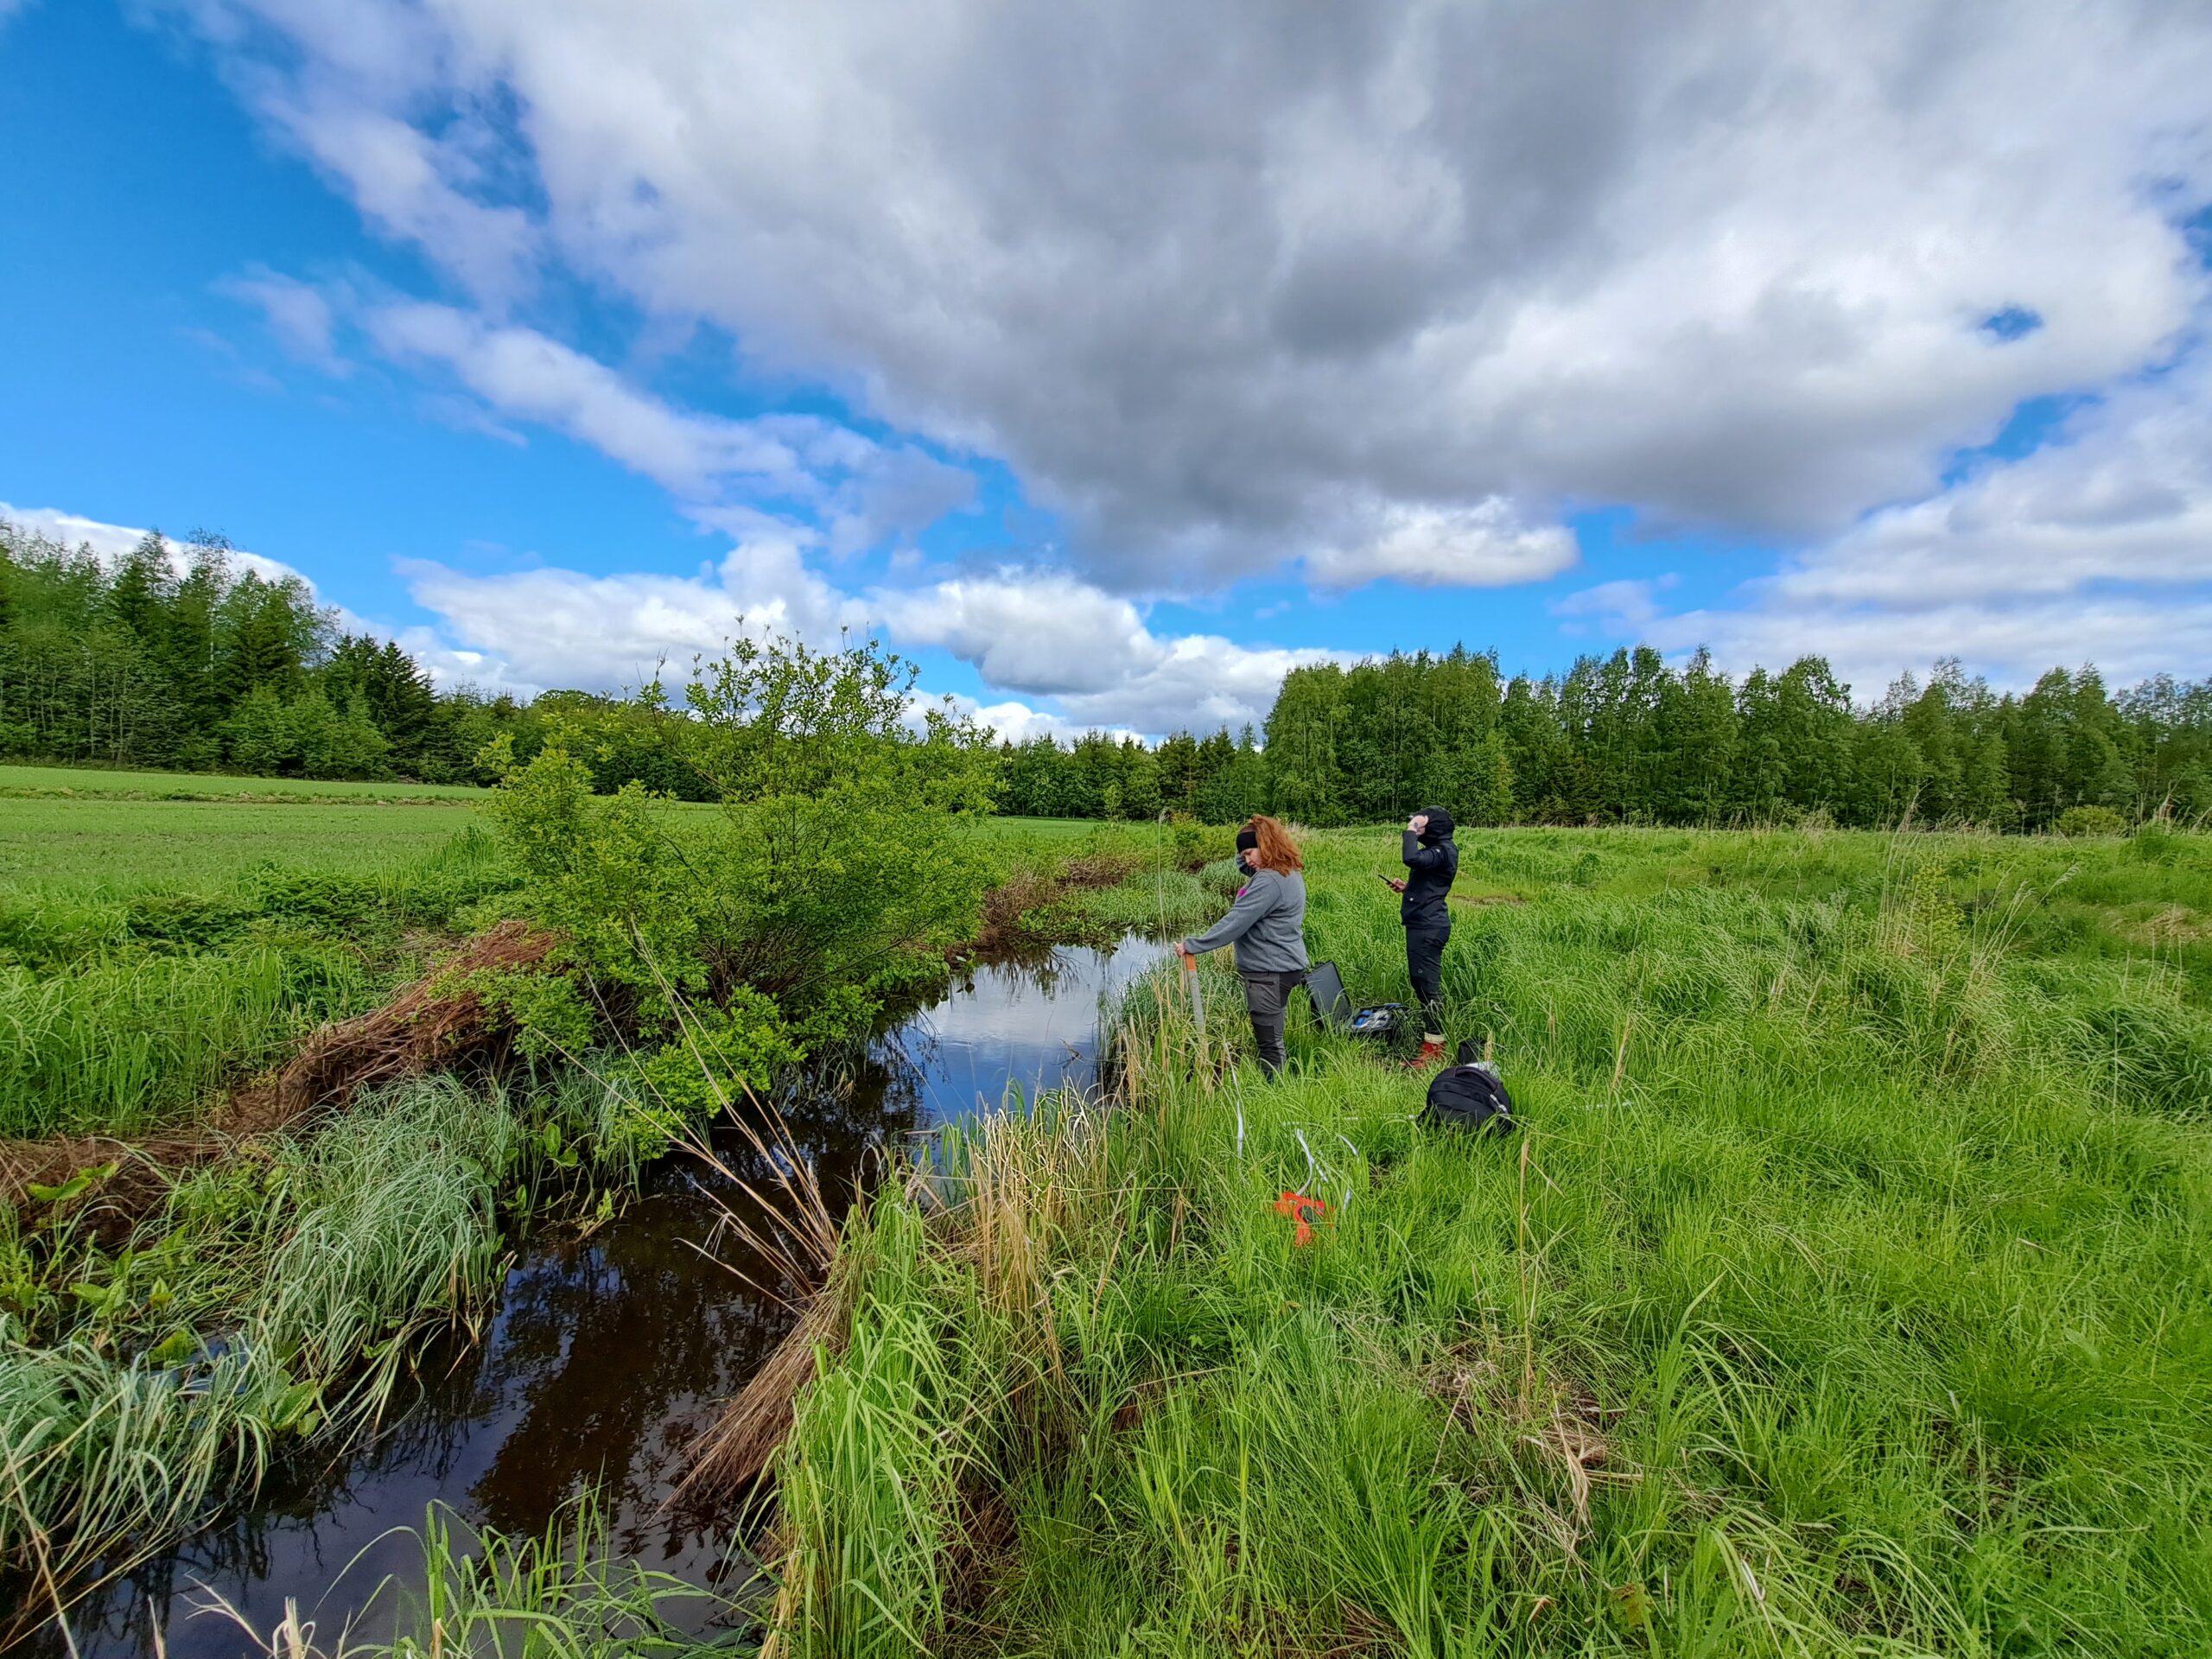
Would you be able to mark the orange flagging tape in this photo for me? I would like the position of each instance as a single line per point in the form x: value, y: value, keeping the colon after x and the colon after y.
x: 1298, y: 1207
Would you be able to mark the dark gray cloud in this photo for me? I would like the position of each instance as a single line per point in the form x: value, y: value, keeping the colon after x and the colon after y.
x: 1242, y: 283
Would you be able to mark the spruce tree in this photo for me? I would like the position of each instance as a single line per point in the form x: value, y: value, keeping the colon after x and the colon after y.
x: 189, y: 651
x: 1693, y: 731
x: 1178, y: 771
x: 260, y: 650
x: 1985, y: 795
x: 139, y: 592
x: 1535, y: 748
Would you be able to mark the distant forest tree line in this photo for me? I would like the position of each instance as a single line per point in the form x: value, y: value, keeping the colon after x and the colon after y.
x: 1629, y: 739
x: 192, y: 663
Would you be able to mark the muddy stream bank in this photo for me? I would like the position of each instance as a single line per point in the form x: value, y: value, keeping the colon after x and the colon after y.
x: 603, y: 1357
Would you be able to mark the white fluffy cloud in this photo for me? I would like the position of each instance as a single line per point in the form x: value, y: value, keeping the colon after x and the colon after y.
x: 112, y: 542
x: 1051, y: 634
x: 299, y: 314
x: 1048, y: 635
x: 2095, y: 547
x: 1483, y: 546
x: 521, y: 373
x: 2124, y: 494
x: 1374, y: 286
x: 562, y: 627
x: 861, y: 492
x: 1197, y: 682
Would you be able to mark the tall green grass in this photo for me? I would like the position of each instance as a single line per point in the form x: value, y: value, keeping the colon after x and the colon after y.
x: 1845, y: 1293
x: 128, y: 1009
x: 116, y: 1045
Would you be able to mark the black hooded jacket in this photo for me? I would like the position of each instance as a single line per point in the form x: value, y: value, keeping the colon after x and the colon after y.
x: 1431, y: 861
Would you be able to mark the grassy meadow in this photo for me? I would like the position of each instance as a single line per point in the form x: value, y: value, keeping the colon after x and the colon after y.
x: 1845, y: 1291
x: 151, y: 951
x: 101, y: 845
x: 78, y: 783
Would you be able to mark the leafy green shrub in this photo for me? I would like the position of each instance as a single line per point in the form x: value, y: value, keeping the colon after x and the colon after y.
x: 833, y: 857
x: 723, y: 1053
x: 1194, y: 842
x: 2090, y: 820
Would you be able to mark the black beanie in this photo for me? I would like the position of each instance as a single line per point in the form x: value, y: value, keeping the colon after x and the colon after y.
x: 1248, y: 839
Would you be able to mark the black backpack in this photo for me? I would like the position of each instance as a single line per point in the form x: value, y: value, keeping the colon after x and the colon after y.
x: 1469, y: 1095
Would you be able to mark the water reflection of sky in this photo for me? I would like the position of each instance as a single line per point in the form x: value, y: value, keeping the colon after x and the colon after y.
x: 606, y: 1355
x: 1026, y: 1026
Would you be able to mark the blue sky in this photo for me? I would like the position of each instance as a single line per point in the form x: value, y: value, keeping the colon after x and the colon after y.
x: 531, y: 343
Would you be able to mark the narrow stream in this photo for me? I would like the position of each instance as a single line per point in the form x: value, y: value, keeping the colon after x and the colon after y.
x: 606, y: 1355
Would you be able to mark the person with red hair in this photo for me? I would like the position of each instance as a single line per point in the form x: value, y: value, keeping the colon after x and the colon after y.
x: 1268, y: 926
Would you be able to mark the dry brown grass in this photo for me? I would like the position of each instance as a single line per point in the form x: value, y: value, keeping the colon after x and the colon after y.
x: 2175, y: 925
x: 730, y: 1456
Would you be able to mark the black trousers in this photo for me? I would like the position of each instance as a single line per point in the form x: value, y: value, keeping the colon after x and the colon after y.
x: 1425, y: 942
x: 1268, y: 997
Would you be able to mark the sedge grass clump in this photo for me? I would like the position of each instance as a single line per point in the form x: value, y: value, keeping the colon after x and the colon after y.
x: 276, y: 1300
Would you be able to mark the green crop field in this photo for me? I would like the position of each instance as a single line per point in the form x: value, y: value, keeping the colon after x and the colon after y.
x: 116, y: 846
x: 75, y: 781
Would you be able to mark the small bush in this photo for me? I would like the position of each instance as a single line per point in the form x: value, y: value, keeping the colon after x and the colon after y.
x: 2091, y: 821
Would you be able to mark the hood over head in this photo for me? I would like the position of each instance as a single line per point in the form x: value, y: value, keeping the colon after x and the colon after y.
x: 1440, y: 825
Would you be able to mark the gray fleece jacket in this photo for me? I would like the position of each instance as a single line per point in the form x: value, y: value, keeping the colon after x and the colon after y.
x: 1267, y: 923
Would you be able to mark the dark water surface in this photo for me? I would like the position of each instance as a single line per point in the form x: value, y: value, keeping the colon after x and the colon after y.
x: 607, y: 1355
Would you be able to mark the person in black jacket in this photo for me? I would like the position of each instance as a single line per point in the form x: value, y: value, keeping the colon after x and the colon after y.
x: 1432, y: 861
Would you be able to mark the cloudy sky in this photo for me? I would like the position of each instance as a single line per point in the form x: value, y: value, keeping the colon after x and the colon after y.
x: 1110, y: 358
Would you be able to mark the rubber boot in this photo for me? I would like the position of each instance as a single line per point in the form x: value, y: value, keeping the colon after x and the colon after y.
x: 1432, y: 1052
